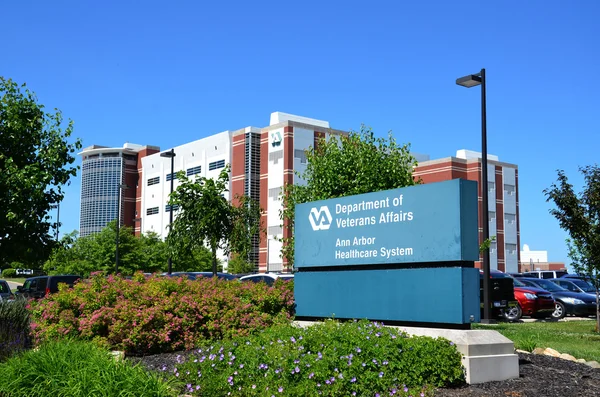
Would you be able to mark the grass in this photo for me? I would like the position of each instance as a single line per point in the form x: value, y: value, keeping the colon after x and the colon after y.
x: 19, y: 280
x: 576, y: 338
x: 77, y: 369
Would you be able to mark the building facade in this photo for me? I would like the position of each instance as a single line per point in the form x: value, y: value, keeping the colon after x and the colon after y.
x: 503, y: 200
x: 205, y: 157
x: 108, y: 178
x: 263, y: 160
x: 537, y: 260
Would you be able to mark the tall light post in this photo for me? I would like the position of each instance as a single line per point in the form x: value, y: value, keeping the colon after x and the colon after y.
x: 170, y: 154
x: 57, y: 206
x: 469, y: 81
x: 121, y: 187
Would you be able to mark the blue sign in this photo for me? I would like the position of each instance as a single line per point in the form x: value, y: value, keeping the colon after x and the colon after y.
x: 434, y: 222
x: 447, y: 295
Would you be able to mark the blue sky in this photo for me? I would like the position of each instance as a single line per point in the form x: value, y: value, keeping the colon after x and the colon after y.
x: 166, y: 73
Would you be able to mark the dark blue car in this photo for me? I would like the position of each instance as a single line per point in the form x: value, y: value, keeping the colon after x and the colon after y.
x: 567, y: 302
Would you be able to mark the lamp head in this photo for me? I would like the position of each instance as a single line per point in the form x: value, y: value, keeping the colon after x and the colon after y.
x: 469, y: 81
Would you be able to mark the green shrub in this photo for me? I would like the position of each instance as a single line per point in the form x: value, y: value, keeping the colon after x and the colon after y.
x: 329, y: 359
x: 159, y: 314
x: 15, y: 333
x: 8, y: 273
x: 70, y: 368
x: 527, y: 343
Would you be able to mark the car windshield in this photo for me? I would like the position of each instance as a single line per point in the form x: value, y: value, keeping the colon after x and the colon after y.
x: 584, y: 285
x: 4, y: 288
x: 548, y: 285
x: 519, y: 283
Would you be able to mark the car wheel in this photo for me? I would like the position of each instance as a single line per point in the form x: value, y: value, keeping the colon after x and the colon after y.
x: 513, y: 313
x: 559, y: 310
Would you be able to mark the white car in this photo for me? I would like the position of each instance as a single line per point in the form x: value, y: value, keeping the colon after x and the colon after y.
x: 268, y: 278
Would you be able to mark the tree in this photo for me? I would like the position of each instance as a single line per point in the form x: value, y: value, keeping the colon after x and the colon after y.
x: 240, y: 265
x: 96, y: 252
x: 35, y: 163
x: 204, y: 215
x: 346, y: 165
x: 579, y: 215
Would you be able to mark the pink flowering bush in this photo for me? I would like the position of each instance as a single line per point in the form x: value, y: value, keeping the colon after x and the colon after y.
x: 160, y: 314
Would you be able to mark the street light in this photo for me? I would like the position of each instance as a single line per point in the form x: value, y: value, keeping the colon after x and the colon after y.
x: 57, y: 206
x: 121, y: 187
x: 170, y: 154
x: 469, y: 81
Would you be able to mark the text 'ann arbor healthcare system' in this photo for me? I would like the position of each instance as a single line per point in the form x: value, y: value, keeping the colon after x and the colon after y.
x: 383, y: 211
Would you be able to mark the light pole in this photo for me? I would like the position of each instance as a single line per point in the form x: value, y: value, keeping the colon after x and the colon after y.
x: 57, y: 206
x: 121, y: 187
x: 469, y: 81
x: 170, y: 154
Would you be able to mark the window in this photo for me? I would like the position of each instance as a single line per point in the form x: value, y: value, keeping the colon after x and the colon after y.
x: 275, y: 230
x: 193, y: 170
x: 215, y: 165
x: 152, y: 211
x: 168, y: 207
x: 509, y: 189
x: 171, y: 176
x: 276, y: 156
x: 491, y: 186
x: 493, y: 247
x: 300, y: 154
x: 510, y: 218
x: 511, y: 248
x: 274, y: 192
x: 153, y: 181
x: 491, y: 216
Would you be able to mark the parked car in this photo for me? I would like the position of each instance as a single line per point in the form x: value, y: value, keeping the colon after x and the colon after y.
x: 5, y: 292
x: 566, y: 302
x: 39, y: 287
x: 545, y: 273
x: 531, y: 301
x: 268, y: 278
x: 196, y: 275
x: 585, y: 277
x: 502, y: 292
x: 575, y: 285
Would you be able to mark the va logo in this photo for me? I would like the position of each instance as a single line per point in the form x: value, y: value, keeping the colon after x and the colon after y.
x: 276, y: 138
x: 320, y: 219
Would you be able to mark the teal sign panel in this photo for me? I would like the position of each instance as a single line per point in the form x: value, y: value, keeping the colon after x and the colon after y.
x: 447, y: 295
x: 434, y: 222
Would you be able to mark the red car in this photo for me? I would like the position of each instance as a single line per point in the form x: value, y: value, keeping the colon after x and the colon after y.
x: 534, y: 302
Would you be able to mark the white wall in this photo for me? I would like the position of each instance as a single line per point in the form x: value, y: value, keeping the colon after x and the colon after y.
x: 197, y: 153
x: 275, y: 186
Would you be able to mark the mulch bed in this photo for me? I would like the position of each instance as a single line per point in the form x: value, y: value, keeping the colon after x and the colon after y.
x: 540, y: 376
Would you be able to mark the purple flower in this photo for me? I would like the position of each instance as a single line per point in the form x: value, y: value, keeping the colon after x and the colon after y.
x: 254, y: 386
x: 197, y: 387
x: 328, y: 382
x: 381, y: 374
x: 297, y: 369
x: 405, y: 389
x: 353, y: 380
x: 311, y: 375
x: 358, y: 350
x: 385, y: 363
x: 241, y: 365
x: 280, y: 389
x: 293, y: 339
